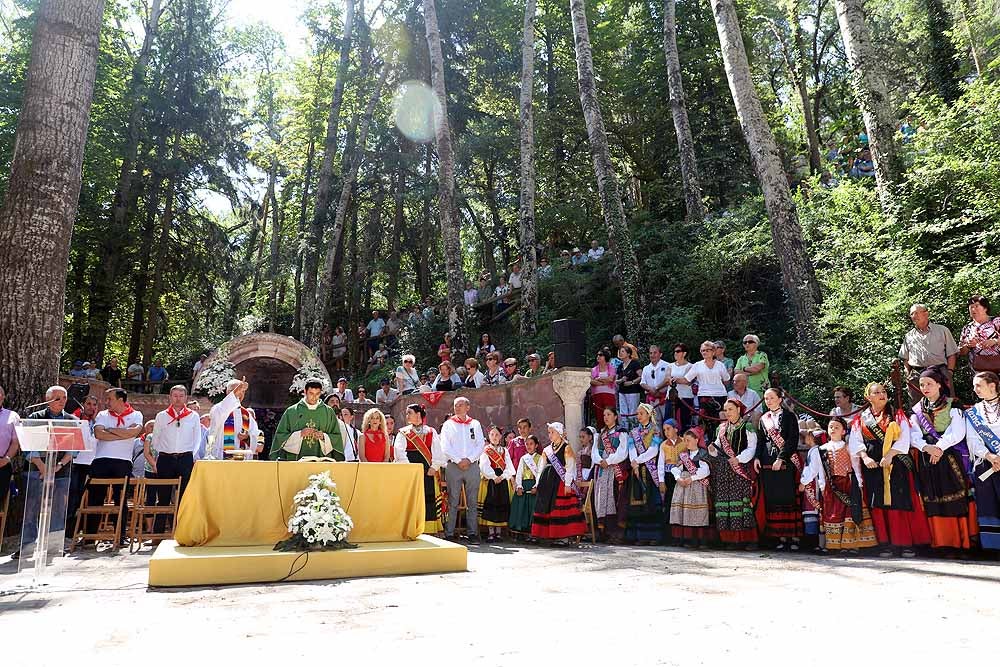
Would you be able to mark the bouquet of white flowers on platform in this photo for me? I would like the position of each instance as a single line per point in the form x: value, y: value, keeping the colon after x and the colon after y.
x: 310, y: 367
x: 319, y: 522
x: 212, y: 379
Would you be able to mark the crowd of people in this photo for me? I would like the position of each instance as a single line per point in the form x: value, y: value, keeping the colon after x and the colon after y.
x: 693, y: 453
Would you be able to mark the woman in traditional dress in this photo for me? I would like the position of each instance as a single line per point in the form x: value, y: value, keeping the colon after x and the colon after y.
x: 779, y: 514
x: 608, y: 456
x: 983, y: 434
x: 418, y: 443
x: 671, y: 447
x: 557, y: 508
x: 373, y: 444
x: 882, y: 441
x: 529, y: 468
x: 497, y: 470
x: 847, y: 523
x: 937, y: 431
x: 689, y: 509
x: 729, y: 460
x: 644, y: 522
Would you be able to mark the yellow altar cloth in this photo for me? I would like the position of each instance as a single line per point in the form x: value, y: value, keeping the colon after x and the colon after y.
x: 237, y: 503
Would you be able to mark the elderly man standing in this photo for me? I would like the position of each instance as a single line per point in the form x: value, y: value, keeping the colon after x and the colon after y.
x: 926, y: 345
x: 742, y: 392
x: 462, y: 442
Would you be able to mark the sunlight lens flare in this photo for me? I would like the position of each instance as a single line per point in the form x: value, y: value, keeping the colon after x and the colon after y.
x: 414, y: 107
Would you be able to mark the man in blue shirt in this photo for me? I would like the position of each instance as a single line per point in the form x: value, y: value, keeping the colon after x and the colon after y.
x: 374, y: 329
x: 157, y: 375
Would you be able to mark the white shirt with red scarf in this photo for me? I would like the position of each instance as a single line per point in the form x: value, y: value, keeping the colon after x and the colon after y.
x: 462, y: 439
x: 177, y: 432
x: 117, y: 449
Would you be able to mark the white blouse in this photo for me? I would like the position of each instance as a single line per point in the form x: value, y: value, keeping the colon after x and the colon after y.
x: 486, y: 466
x: 747, y: 454
x: 977, y: 448
x: 617, y: 456
x: 702, y: 473
x: 857, y: 442
x: 952, y: 435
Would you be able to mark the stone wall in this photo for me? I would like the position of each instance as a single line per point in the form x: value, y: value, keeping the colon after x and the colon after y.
x: 147, y: 404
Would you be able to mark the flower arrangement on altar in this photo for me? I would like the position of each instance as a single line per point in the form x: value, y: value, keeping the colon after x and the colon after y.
x: 319, y: 522
x: 213, y: 377
x: 309, y: 367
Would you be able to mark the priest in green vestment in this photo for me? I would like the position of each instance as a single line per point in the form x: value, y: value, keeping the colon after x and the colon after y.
x: 308, y: 428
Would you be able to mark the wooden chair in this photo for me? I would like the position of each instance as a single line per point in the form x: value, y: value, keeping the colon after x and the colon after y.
x: 588, y: 508
x: 143, y: 511
x: 108, y: 513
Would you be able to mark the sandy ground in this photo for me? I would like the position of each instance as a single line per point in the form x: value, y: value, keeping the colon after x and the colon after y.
x: 520, y: 605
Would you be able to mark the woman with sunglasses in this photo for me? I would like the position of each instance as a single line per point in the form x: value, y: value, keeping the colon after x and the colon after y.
x: 407, y: 377
x: 754, y: 363
x: 711, y: 376
x: 494, y: 374
x: 679, y: 368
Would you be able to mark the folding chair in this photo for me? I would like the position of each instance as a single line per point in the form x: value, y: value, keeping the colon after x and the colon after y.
x: 108, y: 513
x: 588, y: 508
x: 143, y: 510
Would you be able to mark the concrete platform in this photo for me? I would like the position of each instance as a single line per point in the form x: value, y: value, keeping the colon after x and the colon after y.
x: 172, y: 565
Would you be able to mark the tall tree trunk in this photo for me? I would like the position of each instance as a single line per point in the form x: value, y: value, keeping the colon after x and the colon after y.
x: 141, y: 280
x: 873, y: 97
x: 797, y: 275
x: 272, y: 269
x: 159, y: 263
x: 425, y: 233
x: 115, y: 239
x: 369, y: 245
x: 690, y: 178
x: 236, y: 298
x: 324, y: 190
x: 626, y: 263
x: 943, y: 66
x: 489, y: 261
x: 529, y: 284
x: 78, y: 347
x: 552, y: 106
x: 455, y: 280
x: 36, y: 219
x: 350, y: 178
x: 398, y: 222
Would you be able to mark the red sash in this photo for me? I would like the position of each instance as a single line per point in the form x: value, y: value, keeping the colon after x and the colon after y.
x: 414, y: 443
x: 691, y: 467
x: 727, y: 448
x: 496, y: 458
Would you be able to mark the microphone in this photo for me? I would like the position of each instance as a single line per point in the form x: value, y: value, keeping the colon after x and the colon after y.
x: 38, y: 405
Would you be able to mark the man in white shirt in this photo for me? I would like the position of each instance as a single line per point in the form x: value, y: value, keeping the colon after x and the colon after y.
x: 351, y: 434
x: 386, y: 393
x: 115, y: 430
x: 232, y: 425
x: 462, y: 442
x: 176, y: 437
x: 515, y: 276
x: 596, y: 251
x: 655, y: 380
x: 747, y: 396
x: 342, y: 392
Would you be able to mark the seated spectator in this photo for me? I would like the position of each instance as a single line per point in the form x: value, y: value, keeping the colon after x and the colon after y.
x: 485, y: 346
x: 474, y: 377
x: 157, y: 375
x: 509, y: 370
x: 550, y: 363
x: 494, y: 374
x: 544, y: 269
x: 135, y: 372
x: 343, y: 392
x: 391, y: 331
x: 386, y: 392
x: 565, y: 259
x: 407, y: 378
x: 77, y: 371
x: 863, y: 166
x: 378, y: 359
x: 534, y: 366
x: 515, y: 276
x: 362, y: 396
x: 90, y: 370
x: 112, y: 374
x: 447, y: 379
x: 471, y: 295
x: 596, y: 252
x: 578, y: 257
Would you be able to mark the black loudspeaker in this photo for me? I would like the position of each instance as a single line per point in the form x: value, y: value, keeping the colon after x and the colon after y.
x: 569, y: 343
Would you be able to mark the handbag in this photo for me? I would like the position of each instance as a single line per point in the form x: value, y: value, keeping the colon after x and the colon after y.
x: 985, y: 362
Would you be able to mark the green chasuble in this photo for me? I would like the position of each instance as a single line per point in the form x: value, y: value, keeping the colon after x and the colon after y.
x: 300, y: 416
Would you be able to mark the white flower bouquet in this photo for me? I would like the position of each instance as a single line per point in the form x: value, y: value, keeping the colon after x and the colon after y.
x: 212, y: 379
x: 319, y: 522
x: 310, y: 367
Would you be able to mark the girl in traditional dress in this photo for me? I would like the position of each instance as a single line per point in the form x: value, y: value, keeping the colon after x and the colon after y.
x: 494, y: 488
x: 983, y: 433
x: 671, y: 447
x: 557, y: 508
x: 732, y: 485
x: 689, y: 510
x: 810, y: 484
x: 529, y: 468
x: 778, y: 464
x: 611, y: 473
x: 585, y: 465
x: 644, y: 521
x: 847, y: 523
x: 419, y: 443
x: 937, y: 431
x: 882, y: 441
x: 373, y: 444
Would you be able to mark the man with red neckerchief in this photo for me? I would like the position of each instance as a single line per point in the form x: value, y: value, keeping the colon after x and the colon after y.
x: 462, y: 442
x: 176, y: 436
x: 115, y: 430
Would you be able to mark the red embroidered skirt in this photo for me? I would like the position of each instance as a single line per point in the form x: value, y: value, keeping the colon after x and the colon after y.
x: 565, y: 520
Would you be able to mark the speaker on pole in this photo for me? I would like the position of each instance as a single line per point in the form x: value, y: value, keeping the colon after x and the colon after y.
x: 569, y: 343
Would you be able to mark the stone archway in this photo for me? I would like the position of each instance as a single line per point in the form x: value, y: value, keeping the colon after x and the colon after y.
x: 269, y: 362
